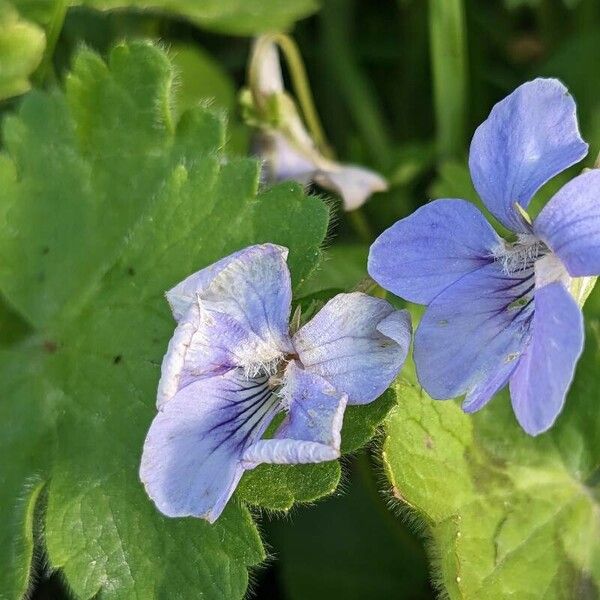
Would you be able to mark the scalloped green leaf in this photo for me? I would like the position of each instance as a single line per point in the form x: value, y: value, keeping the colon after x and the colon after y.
x: 509, y: 515
x: 106, y: 201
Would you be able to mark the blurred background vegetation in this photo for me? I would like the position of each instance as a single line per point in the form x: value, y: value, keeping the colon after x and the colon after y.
x: 400, y: 87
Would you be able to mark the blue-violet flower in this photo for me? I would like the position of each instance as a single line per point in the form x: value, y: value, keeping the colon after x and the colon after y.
x: 286, y: 148
x: 232, y: 365
x: 503, y: 312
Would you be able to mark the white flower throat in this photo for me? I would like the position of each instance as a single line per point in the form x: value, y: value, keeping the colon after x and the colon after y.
x: 521, y: 255
x: 529, y: 252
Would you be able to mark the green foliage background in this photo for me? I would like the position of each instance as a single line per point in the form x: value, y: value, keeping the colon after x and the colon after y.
x: 123, y: 168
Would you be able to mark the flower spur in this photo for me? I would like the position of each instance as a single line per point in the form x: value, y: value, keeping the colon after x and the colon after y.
x: 232, y: 366
x: 502, y: 312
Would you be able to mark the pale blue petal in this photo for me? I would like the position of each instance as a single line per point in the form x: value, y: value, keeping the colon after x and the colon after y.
x: 471, y: 330
x: 232, y: 314
x: 255, y: 289
x: 570, y: 224
x: 310, y: 433
x: 192, y: 455
x: 354, y: 184
x: 186, y: 293
x: 478, y: 396
x: 252, y: 286
x: 539, y: 385
x: 207, y: 343
x: 282, y: 160
x: 173, y: 363
x: 421, y: 255
x: 357, y: 343
x: 528, y: 138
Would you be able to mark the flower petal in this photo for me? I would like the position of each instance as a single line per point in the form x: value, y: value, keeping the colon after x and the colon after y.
x: 357, y: 343
x: 311, y: 431
x: 232, y: 314
x: 186, y: 293
x: 217, y: 343
x: 252, y: 286
x: 479, y: 395
x: 529, y: 137
x: 265, y: 56
x: 255, y: 289
x: 545, y: 371
x: 354, y: 184
x: 471, y: 330
x: 174, y: 360
x: 570, y: 224
x: 191, y: 461
x: 421, y: 255
x: 282, y: 161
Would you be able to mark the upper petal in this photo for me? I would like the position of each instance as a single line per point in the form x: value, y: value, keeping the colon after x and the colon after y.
x: 570, y: 224
x: 471, y: 331
x: 421, y: 255
x: 357, y: 343
x: 354, y: 184
x: 232, y: 314
x: 192, y: 455
x: 545, y: 371
x: 255, y: 289
x: 186, y: 293
x: 310, y: 432
x: 528, y: 138
x: 252, y: 286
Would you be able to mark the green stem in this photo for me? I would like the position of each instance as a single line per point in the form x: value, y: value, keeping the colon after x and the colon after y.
x: 336, y: 23
x: 55, y: 26
x: 300, y: 83
x: 447, y: 38
x: 302, y: 90
x: 361, y: 225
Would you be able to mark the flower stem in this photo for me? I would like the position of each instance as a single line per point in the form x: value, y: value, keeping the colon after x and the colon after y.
x: 361, y: 225
x: 447, y: 38
x: 302, y: 90
x: 55, y: 26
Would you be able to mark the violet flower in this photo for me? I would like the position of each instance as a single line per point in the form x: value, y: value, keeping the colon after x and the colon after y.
x: 283, y: 142
x: 232, y: 365
x: 502, y: 312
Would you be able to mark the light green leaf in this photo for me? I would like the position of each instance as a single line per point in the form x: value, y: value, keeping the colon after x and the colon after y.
x: 509, y: 515
x: 106, y: 201
x: 21, y: 49
x: 342, y: 268
x: 200, y: 79
x: 245, y: 17
x: 26, y: 441
x: 238, y: 17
